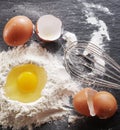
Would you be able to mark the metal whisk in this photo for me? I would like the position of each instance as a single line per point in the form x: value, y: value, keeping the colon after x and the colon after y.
x: 90, y: 65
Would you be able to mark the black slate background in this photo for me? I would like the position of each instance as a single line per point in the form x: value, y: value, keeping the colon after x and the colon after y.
x: 70, y: 12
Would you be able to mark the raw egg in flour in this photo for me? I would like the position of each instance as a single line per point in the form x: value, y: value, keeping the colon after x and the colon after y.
x: 18, y: 30
x: 25, y: 82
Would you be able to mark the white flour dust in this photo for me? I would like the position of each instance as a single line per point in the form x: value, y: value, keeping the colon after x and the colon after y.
x: 70, y: 38
x: 98, y: 7
x: 55, y: 95
x: 98, y: 36
x: 101, y: 34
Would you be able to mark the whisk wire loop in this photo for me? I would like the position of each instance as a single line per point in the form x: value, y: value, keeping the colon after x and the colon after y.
x: 90, y: 64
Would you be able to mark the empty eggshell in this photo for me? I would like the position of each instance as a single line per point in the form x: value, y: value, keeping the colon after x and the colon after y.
x: 82, y: 101
x: 49, y: 28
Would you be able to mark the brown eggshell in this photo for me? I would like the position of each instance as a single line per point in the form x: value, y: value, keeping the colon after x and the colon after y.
x: 105, y: 104
x: 80, y: 102
x: 17, y: 31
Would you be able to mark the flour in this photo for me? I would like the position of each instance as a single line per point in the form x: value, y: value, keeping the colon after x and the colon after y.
x: 101, y: 34
x: 99, y: 7
x: 98, y: 36
x: 70, y: 38
x: 55, y: 95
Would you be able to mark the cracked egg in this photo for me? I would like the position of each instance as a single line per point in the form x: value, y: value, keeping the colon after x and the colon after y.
x: 25, y: 82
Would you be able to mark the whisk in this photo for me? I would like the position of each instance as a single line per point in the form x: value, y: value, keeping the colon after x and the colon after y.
x: 90, y: 65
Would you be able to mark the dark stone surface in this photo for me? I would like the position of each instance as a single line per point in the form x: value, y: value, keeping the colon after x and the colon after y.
x: 71, y: 13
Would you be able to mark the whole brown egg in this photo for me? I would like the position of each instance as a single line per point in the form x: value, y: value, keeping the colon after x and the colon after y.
x: 17, y: 31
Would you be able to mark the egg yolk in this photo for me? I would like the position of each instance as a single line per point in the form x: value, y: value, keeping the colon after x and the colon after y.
x: 25, y: 83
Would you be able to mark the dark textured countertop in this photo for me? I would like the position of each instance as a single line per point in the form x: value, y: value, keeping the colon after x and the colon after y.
x: 74, y: 20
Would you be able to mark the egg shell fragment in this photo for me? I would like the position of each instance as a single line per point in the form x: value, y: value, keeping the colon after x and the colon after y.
x: 90, y: 95
x: 49, y: 28
x: 82, y: 101
x: 105, y: 104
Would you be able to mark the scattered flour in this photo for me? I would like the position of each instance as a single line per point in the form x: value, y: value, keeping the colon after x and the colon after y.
x: 72, y: 118
x: 101, y: 34
x: 98, y: 36
x: 99, y: 7
x: 55, y: 95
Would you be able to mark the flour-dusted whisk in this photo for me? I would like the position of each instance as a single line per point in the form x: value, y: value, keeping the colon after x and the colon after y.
x: 90, y: 65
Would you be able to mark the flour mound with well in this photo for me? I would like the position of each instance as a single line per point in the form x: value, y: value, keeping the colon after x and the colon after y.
x: 55, y: 94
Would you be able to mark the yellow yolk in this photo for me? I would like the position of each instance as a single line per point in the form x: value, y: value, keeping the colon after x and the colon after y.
x: 25, y: 82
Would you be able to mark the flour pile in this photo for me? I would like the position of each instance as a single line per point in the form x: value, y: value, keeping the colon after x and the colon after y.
x: 55, y: 95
